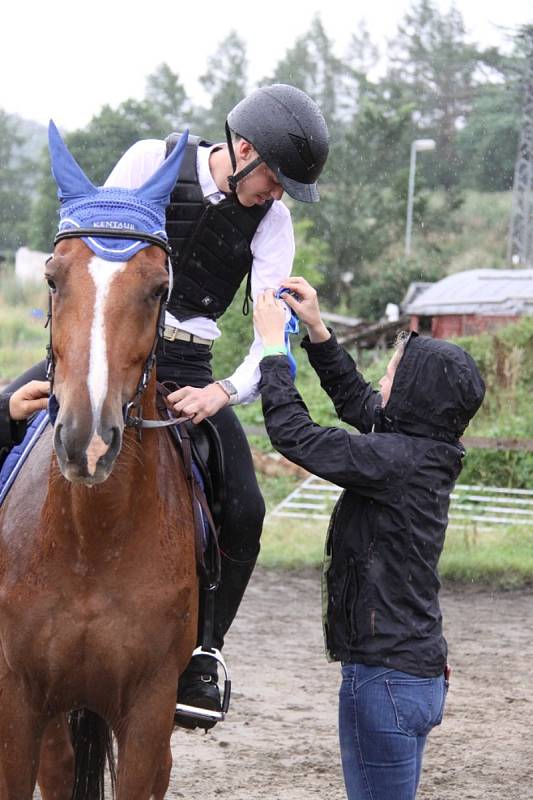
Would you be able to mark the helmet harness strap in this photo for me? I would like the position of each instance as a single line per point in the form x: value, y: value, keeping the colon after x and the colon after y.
x: 234, y: 179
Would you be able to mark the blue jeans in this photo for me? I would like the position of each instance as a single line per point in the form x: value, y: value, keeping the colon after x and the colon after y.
x: 384, y: 720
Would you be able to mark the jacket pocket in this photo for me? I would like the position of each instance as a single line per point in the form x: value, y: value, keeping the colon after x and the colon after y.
x: 349, y: 602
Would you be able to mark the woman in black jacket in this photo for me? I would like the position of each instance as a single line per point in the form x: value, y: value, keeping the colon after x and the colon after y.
x: 382, y: 620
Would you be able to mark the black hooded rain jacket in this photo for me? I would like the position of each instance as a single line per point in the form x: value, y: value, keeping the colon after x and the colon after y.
x: 387, y: 531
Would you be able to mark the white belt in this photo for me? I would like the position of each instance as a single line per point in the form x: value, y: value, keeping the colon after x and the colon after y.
x: 171, y: 334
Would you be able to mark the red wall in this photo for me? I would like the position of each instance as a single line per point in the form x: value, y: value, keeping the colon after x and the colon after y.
x: 448, y: 325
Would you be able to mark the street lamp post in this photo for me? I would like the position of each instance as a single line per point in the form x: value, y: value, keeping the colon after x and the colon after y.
x: 419, y: 145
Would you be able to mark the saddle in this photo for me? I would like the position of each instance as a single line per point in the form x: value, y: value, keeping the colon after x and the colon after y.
x: 208, y: 458
x: 201, y: 450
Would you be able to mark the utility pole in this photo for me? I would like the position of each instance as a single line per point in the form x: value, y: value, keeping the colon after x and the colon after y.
x: 520, y: 244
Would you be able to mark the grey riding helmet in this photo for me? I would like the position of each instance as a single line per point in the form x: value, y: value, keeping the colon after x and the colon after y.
x: 290, y: 134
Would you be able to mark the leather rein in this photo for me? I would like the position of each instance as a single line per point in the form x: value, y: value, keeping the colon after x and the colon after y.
x: 133, y: 417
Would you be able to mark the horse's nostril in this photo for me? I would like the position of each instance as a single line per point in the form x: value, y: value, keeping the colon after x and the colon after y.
x: 58, y: 442
x: 115, y: 439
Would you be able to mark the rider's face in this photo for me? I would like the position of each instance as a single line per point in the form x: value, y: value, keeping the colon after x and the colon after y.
x: 260, y: 184
x: 385, y: 383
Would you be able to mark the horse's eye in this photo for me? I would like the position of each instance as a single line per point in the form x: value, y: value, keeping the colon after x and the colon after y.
x: 51, y: 284
x: 160, y: 290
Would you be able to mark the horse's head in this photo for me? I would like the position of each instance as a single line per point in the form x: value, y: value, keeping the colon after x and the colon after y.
x: 107, y: 292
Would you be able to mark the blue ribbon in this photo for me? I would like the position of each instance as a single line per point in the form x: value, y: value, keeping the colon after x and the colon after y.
x: 291, y: 326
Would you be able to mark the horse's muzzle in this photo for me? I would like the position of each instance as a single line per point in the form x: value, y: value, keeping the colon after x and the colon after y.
x: 86, y: 459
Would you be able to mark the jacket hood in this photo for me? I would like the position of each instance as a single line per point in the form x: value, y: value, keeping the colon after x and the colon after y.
x: 436, y: 390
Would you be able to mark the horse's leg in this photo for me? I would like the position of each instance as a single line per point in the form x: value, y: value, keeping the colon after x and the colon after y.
x: 162, y: 778
x: 144, y: 759
x: 56, y: 764
x: 20, y: 734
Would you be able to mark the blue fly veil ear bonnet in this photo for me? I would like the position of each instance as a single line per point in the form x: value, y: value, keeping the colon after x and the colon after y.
x: 114, y: 223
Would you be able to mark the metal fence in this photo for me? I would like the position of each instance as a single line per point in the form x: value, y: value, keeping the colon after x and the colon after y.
x: 479, y: 507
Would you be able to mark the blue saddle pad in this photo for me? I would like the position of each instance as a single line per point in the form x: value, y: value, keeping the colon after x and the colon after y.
x: 18, y: 455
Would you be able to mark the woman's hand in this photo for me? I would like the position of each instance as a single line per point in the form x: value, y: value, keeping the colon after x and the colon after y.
x: 306, y: 307
x: 31, y: 397
x: 269, y: 318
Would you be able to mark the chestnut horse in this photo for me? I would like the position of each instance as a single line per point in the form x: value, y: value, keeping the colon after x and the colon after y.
x: 98, y: 582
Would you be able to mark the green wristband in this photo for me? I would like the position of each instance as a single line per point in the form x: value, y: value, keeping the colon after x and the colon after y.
x: 274, y: 350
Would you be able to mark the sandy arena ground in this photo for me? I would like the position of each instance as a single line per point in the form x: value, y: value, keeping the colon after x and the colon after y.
x: 279, y: 741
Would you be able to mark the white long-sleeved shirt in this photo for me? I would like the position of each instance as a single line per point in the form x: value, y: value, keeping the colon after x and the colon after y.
x: 272, y: 248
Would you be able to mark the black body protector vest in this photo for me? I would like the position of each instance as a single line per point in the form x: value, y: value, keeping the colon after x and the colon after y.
x: 210, y: 242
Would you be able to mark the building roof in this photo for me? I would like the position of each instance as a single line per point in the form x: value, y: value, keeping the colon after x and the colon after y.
x: 485, y: 292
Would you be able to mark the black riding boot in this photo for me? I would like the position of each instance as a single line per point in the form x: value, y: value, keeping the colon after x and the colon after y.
x: 198, y: 685
x: 234, y: 577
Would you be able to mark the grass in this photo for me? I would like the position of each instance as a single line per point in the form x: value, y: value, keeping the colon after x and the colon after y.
x: 289, y: 543
x: 502, y: 558
x: 23, y: 337
x: 22, y: 341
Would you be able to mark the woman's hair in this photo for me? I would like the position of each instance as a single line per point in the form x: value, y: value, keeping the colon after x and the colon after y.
x: 400, y: 341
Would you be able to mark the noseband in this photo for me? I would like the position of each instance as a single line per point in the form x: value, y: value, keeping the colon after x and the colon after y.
x: 133, y: 410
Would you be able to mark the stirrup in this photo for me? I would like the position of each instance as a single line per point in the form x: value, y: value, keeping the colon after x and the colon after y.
x: 196, y: 712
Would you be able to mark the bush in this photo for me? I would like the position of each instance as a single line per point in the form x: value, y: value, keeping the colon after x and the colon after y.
x: 506, y: 468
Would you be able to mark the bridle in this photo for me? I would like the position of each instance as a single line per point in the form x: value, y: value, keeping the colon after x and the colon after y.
x: 132, y: 411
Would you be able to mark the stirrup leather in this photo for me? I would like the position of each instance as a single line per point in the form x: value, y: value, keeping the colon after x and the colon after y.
x: 206, y: 713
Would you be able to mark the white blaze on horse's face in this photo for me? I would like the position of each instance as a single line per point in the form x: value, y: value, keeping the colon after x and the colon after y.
x: 102, y: 272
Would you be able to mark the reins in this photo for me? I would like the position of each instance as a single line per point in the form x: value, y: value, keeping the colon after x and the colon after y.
x: 132, y: 412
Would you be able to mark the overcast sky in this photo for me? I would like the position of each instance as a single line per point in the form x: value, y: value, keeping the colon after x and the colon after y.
x: 66, y: 59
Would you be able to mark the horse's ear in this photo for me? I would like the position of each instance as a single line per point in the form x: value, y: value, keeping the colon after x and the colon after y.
x: 158, y: 187
x: 71, y: 180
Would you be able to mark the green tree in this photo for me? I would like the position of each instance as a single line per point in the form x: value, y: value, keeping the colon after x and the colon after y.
x: 311, y: 256
x: 388, y: 281
x: 488, y: 142
x: 311, y: 65
x: 226, y: 82
x: 109, y: 134
x: 440, y: 72
x: 362, y: 207
x: 44, y: 214
x: 166, y: 93
x: 15, y: 184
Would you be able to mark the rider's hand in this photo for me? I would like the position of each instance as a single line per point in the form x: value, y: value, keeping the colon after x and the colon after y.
x: 306, y: 307
x: 269, y: 317
x: 197, y: 403
x: 31, y: 397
